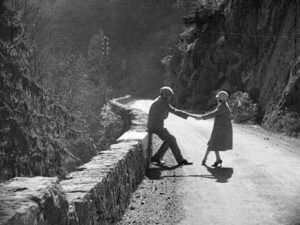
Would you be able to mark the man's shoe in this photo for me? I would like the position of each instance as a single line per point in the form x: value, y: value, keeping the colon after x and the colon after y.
x: 157, y: 161
x: 184, y: 162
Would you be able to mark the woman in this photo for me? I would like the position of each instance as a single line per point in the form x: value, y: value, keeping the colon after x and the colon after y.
x: 221, y: 137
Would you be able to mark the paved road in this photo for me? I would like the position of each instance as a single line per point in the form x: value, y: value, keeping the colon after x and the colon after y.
x: 259, y: 182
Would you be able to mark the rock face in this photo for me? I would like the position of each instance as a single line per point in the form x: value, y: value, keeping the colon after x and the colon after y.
x: 97, y: 192
x: 28, y: 201
x: 237, y: 45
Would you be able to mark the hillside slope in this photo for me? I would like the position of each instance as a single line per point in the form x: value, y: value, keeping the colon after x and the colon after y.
x: 249, y: 46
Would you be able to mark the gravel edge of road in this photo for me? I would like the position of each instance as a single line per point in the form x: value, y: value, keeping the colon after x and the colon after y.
x: 155, y: 200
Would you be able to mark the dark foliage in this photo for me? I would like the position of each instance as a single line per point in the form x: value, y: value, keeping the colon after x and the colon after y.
x: 242, y: 108
x: 32, y: 126
x: 50, y: 128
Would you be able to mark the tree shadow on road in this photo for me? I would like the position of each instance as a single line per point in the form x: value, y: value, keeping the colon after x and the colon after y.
x: 221, y: 174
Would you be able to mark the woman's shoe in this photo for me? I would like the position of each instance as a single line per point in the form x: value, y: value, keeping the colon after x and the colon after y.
x: 217, y: 163
x: 203, y: 162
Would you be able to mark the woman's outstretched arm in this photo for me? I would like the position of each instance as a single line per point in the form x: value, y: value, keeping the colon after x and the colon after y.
x: 212, y: 114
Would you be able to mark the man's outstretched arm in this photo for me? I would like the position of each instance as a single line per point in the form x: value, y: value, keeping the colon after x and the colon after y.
x: 178, y: 112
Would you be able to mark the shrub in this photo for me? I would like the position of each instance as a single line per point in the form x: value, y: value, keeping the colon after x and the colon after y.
x: 280, y: 120
x: 100, y: 132
x: 242, y: 107
x: 111, y: 125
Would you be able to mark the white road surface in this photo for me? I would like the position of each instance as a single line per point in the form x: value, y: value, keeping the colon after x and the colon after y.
x: 259, y: 182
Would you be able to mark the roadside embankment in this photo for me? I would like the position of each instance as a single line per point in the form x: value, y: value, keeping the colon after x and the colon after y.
x: 98, y: 192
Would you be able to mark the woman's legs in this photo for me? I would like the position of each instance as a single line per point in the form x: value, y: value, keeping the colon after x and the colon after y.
x: 205, y: 156
x: 218, y: 158
x: 218, y: 162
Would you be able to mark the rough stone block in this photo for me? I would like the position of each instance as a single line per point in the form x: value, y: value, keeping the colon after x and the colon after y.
x: 98, y: 193
x: 30, y: 201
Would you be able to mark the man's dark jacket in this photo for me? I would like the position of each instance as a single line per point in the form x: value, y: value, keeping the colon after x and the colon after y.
x: 159, y: 111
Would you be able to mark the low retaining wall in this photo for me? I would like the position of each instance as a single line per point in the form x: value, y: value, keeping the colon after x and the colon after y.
x: 30, y: 201
x: 96, y: 193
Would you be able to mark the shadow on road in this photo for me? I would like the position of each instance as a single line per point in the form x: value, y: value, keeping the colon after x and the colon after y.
x: 222, y: 175
x: 155, y: 172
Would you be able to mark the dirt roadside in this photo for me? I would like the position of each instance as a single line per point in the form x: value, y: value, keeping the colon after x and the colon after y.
x: 155, y: 201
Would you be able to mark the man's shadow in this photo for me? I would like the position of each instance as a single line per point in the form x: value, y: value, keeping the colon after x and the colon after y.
x: 154, y: 173
x: 221, y: 174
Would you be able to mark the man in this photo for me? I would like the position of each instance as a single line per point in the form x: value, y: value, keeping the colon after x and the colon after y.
x: 158, y: 112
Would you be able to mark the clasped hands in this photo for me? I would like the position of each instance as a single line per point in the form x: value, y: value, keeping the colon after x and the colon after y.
x: 196, y: 116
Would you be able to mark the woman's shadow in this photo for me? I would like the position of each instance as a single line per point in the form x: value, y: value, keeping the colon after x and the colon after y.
x: 221, y: 174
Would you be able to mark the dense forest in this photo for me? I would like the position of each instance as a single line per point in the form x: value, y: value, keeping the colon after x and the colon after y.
x: 62, y: 60
x: 53, y: 95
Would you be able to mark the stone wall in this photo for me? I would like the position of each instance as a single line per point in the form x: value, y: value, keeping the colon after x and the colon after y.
x: 96, y: 193
x: 32, y: 201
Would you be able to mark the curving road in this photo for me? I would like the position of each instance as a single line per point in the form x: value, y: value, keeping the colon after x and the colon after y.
x: 259, y: 182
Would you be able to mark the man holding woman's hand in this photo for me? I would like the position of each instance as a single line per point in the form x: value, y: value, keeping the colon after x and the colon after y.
x: 221, y: 137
